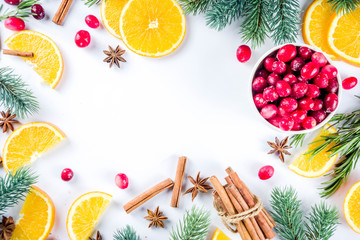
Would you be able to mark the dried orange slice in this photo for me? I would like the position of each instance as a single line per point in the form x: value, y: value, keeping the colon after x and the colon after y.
x: 47, y: 60
x: 110, y: 15
x: 152, y: 28
x: 352, y: 207
x: 28, y: 142
x: 37, y: 217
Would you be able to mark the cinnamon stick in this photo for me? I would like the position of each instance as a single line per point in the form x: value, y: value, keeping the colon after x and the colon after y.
x: 18, y: 53
x: 147, y: 195
x: 62, y: 11
x: 180, y: 172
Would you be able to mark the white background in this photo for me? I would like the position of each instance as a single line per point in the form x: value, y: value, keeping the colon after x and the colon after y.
x: 139, y: 119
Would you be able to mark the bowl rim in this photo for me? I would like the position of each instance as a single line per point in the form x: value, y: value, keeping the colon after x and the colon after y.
x: 256, y: 68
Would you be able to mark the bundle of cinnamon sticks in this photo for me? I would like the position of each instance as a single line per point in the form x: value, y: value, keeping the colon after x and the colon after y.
x: 235, y: 198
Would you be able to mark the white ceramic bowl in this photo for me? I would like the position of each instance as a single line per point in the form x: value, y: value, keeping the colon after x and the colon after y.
x: 256, y: 68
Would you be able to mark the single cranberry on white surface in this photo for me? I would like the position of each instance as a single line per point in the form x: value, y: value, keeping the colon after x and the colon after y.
x: 121, y: 180
x: 92, y: 21
x: 349, y: 83
x: 14, y: 24
x: 243, y: 53
x: 67, y: 174
x: 82, y: 38
x: 266, y: 172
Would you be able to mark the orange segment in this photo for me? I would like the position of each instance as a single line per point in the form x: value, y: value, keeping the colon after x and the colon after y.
x: 352, y: 207
x: 219, y: 235
x: 47, y: 60
x: 28, y: 142
x: 85, y: 213
x: 152, y: 28
x: 110, y: 15
x: 37, y: 217
x: 316, y: 25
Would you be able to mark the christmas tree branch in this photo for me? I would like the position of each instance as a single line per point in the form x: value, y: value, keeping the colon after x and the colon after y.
x: 344, y: 6
x: 126, y: 233
x: 196, y: 6
x: 90, y: 3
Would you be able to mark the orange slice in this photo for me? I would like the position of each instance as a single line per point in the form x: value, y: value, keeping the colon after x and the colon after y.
x: 85, y: 213
x: 37, y: 217
x: 28, y: 142
x: 47, y: 60
x: 343, y: 36
x: 110, y: 15
x: 352, y: 207
x: 316, y: 25
x: 152, y: 28
x: 219, y: 235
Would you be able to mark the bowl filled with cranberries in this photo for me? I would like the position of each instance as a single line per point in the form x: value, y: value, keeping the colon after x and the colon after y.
x: 295, y: 88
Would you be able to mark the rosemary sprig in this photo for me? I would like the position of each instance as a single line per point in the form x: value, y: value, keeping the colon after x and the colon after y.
x: 22, y: 11
x: 297, y: 140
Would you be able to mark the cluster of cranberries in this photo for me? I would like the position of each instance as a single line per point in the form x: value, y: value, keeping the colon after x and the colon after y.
x: 17, y: 24
x: 295, y: 88
x: 82, y: 37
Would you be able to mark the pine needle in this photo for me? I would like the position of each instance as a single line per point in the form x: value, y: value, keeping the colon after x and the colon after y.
x: 126, y: 233
x: 15, y: 95
x: 344, y: 6
x: 14, y: 187
x: 194, y: 225
x: 297, y: 140
x: 22, y: 11
x: 196, y: 6
x: 90, y: 3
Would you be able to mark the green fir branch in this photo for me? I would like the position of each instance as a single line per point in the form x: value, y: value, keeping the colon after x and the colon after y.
x: 22, y: 11
x: 15, y: 95
x: 126, y: 233
x: 90, y: 3
x: 195, y: 7
x: 322, y: 222
x: 15, y: 186
x: 224, y: 12
x: 297, y: 140
x: 284, y: 20
x: 194, y: 225
x: 255, y: 27
x: 344, y: 6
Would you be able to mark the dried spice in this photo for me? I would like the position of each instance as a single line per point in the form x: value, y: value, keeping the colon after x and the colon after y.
x: 7, y: 227
x: 199, y: 185
x: 280, y: 148
x: 7, y: 121
x: 114, y: 56
x: 98, y: 236
x: 156, y: 218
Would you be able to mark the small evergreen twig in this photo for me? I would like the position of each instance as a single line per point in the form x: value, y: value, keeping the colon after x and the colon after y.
x: 22, y: 11
x: 196, y: 6
x: 90, y: 3
x: 194, y: 225
x: 297, y: 140
x: 344, y: 6
x: 15, y: 186
x: 126, y: 233
x: 14, y: 94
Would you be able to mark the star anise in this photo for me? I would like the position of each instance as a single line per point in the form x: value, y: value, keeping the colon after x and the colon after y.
x: 156, y: 218
x: 280, y: 147
x: 7, y: 227
x: 98, y: 236
x: 199, y: 185
x: 114, y: 56
x: 7, y: 121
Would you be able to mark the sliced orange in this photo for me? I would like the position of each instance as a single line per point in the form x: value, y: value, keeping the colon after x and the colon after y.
x: 321, y: 163
x: 219, y: 235
x: 110, y: 15
x: 47, y: 60
x: 343, y: 36
x: 85, y: 213
x: 37, y: 217
x: 352, y: 207
x: 152, y: 28
x: 28, y: 142
x: 316, y: 24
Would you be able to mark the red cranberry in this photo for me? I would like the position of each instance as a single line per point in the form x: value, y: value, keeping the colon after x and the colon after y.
x: 331, y: 102
x: 286, y: 123
x: 305, y: 53
x: 313, y: 91
x: 13, y: 2
x: 299, y: 116
x: 38, y: 11
x: 273, y: 78
x: 296, y: 127
x: 319, y: 59
x: 299, y: 90
x: 330, y: 71
x: 269, y: 111
x: 259, y: 100
x: 67, y: 174
x: 262, y: 73
x: 310, y: 70
x: 122, y: 181
x: 259, y: 84
x: 243, y: 53
x: 333, y: 86
x: 309, y: 123
x: 270, y: 94
x: 319, y: 116
x: 275, y: 121
x: 268, y: 63
x: 14, y: 24
x: 286, y: 53
x: 283, y: 88
x: 306, y: 103
x: 92, y: 21
x: 301, y: 79
x: 318, y: 104
x: 349, y: 83
x: 279, y: 67
x: 297, y: 64
x: 282, y: 112
x: 290, y: 79
x: 321, y: 80
x: 289, y: 104
x: 82, y: 38
x: 266, y: 172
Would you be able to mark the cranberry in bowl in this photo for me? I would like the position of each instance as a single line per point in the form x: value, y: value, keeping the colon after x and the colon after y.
x: 299, y: 93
